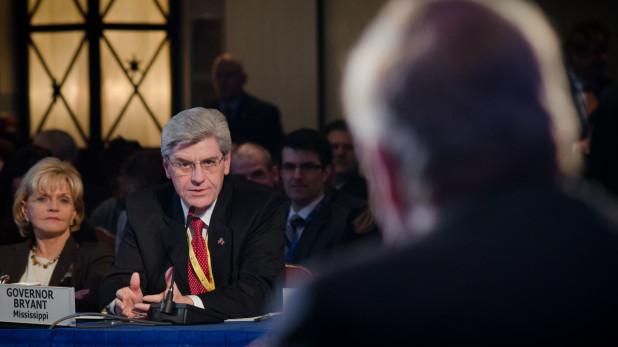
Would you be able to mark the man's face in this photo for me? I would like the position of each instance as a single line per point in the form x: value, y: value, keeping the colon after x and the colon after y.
x: 254, y: 169
x: 229, y: 80
x: 590, y: 62
x: 303, y: 176
x: 344, y: 158
x: 198, y: 187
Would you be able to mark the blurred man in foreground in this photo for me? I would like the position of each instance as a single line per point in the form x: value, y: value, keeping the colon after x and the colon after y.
x: 464, y: 124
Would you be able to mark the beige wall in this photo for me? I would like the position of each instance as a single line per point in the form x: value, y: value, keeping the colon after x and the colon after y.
x: 276, y: 40
x: 344, y: 21
x: 7, y: 63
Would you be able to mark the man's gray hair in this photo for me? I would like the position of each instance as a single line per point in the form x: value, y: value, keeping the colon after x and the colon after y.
x: 192, y: 126
x: 462, y: 94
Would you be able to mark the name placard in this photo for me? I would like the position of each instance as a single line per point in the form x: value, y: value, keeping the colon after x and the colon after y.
x: 36, y: 304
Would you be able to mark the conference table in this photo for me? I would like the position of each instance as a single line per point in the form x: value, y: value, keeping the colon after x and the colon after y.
x: 229, y: 333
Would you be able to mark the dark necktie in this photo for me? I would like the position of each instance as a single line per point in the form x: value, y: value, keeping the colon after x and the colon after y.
x: 295, y: 223
x: 201, y: 253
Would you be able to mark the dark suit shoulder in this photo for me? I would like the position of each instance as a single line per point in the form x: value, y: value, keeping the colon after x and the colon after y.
x: 252, y: 102
x: 243, y: 188
x: 158, y: 198
x: 11, y: 259
x: 357, y: 186
x: 90, y: 249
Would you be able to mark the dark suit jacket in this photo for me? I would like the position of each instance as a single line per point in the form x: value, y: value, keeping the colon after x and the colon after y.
x: 325, y: 233
x: 245, y: 241
x: 356, y: 186
x: 602, y: 161
x: 256, y: 121
x: 528, y: 265
x: 80, y: 266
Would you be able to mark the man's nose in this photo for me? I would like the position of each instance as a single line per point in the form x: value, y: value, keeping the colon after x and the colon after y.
x: 298, y: 173
x: 197, y: 175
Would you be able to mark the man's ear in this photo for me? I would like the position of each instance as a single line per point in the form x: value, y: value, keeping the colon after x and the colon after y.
x: 326, y: 174
x: 388, y: 176
x: 275, y: 172
x: 227, y: 161
x: 166, y: 166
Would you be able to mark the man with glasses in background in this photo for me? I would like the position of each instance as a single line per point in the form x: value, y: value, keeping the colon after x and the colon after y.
x: 315, y: 225
x: 228, y: 258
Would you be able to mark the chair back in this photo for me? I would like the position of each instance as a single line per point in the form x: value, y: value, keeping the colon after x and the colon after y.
x: 296, y: 275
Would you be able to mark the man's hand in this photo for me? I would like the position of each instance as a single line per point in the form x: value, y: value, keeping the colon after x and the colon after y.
x: 178, y: 298
x: 128, y: 298
x: 80, y: 294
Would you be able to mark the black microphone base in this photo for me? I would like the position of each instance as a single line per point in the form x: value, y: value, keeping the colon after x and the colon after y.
x: 184, y: 314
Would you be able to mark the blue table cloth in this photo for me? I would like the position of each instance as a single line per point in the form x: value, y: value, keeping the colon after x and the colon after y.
x: 224, y: 334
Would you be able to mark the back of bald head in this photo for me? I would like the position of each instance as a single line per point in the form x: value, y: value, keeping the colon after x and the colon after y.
x: 230, y: 61
x: 252, y: 151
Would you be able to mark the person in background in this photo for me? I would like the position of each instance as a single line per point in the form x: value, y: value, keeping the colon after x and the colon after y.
x: 586, y: 50
x: 114, y: 160
x: 346, y: 175
x: 316, y: 227
x: 464, y: 125
x: 48, y: 208
x: 249, y: 119
x: 256, y: 164
x: 144, y: 169
x: 17, y: 164
x: 60, y: 143
x: 227, y: 259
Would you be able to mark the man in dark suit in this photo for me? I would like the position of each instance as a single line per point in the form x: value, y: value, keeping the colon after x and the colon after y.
x: 586, y: 51
x: 230, y: 257
x: 249, y: 119
x: 464, y: 124
x: 315, y: 225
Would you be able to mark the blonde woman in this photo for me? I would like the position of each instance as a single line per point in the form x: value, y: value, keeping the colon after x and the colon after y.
x: 48, y: 207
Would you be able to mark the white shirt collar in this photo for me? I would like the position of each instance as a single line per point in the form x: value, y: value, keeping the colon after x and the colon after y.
x: 205, y: 217
x: 305, y: 211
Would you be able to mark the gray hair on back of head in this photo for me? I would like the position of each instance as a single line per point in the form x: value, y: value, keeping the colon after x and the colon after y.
x: 191, y: 126
x: 463, y: 94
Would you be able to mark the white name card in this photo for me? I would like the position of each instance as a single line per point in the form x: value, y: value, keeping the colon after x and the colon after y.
x: 36, y: 304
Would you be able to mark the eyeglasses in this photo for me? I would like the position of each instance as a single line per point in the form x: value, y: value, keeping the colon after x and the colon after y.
x: 304, y: 167
x: 186, y: 167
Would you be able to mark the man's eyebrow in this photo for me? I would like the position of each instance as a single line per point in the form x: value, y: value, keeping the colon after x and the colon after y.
x: 188, y: 161
x: 210, y: 158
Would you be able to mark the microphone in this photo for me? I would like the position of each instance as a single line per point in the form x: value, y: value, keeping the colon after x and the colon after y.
x: 167, y: 305
x: 169, y: 311
x: 190, y: 216
x: 4, y: 278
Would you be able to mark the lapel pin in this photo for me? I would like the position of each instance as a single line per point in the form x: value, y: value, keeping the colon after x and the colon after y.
x: 221, y: 242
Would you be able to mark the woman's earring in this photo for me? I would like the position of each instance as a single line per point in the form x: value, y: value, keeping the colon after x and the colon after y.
x: 73, y: 222
x: 27, y: 220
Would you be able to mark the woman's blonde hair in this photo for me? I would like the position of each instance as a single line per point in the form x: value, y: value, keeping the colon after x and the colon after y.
x: 48, y: 174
